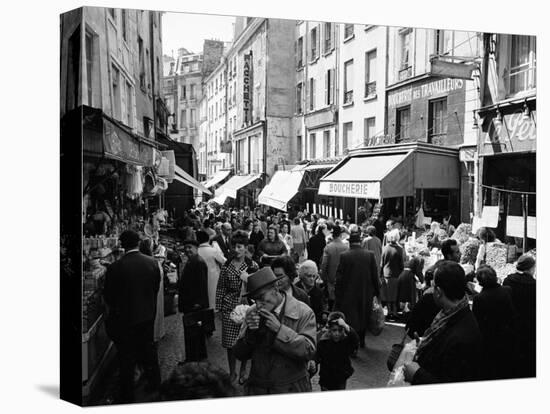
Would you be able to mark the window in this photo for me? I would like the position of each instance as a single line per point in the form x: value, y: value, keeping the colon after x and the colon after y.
x: 369, y: 132
x: 329, y: 87
x: 195, y: 66
x: 112, y: 13
x: 329, y: 37
x: 370, y: 74
x: 443, y: 42
x: 347, y: 135
x: 216, y: 85
x: 216, y: 110
x: 115, y: 81
x: 314, y: 40
x: 405, y: 69
x: 124, y: 19
x: 326, y: 144
x: 299, y: 147
x: 183, y: 120
x: 437, y: 124
x: 522, y: 64
x: 129, y: 105
x: 348, y: 82
x: 312, y: 145
x: 311, y: 94
x: 183, y: 93
x: 73, y: 72
x: 142, y: 81
x: 192, y: 91
x: 336, y: 144
x: 235, y: 93
x: 402, y: 129
x: 348, y: 31
x: 90, y: 66
x: 299, y: 109
x: 300, y: 52
x: 192, y: 118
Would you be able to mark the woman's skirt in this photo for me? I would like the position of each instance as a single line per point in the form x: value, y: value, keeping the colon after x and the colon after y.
x: 230, y: 331
x: 388, y: 292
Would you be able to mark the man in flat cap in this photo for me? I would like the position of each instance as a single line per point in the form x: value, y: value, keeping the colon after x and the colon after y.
x: 193, y: 298
x: 278, y: 335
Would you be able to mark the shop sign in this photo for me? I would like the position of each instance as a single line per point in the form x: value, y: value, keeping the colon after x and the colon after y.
x: 413, y: 93
x: 514, y: 132
x: 247, y: 99
x: 120, y: 144
x: 379, y: 140
x: 350, y: 189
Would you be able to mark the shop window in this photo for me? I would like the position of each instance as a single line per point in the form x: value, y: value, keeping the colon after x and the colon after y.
x: 348, y: 31
x: 347, y: 136
x: 437, y: 125
x: 522, y: 76
x: 326, y: 144
x: 348, y: 82
x: 402, y: 129
x: 312, y: 145
x: 370, y: 74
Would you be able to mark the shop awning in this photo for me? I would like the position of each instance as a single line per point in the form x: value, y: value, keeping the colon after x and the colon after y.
x: 235, y: 183
x: 185, y: 178
x: 217, y: 178
x: 393, y: 172
x: 219, y: 199
x: 283, y: 186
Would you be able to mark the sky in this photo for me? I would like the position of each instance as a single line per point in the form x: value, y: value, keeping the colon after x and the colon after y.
x: 189, y: 30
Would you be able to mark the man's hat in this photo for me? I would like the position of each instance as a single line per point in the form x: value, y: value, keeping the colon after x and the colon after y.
x: 260, y: 279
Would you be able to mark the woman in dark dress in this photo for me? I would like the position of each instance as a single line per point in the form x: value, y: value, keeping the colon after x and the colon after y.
x: 407, y: 292
x: 496, y: 317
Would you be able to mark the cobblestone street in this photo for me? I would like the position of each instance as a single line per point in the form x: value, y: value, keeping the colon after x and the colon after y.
x: 370, y: 364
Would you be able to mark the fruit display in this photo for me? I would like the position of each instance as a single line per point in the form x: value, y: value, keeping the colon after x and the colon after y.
x: 469, y: 250
x: 462, y: 233
x: 496, y: 255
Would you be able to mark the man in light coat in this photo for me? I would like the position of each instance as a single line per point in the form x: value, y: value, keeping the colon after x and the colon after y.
x: 278, y: 335
x: 214, y: 260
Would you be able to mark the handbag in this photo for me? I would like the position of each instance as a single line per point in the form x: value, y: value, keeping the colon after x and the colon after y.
x: 395, y: 352
x: 203, y: 318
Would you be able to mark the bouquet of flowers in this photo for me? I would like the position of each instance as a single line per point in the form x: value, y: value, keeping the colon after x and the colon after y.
x: 237, y: 315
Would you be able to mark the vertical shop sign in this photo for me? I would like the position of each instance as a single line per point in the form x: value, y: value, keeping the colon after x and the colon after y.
x: 247, y: 81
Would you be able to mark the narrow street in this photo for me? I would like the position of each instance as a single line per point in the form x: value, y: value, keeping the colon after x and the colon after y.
x: 370, y: 364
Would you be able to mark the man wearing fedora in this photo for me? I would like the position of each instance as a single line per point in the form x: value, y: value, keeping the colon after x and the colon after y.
x: 278, y: 335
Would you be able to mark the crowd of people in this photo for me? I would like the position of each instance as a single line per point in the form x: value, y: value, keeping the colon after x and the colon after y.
x: 294, y: 297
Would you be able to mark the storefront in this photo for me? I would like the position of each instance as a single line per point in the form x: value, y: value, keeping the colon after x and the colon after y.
x: 397, y: 179
x: 508, y: 169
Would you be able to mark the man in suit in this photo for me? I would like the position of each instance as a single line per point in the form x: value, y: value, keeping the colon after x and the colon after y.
x: 451, y: 347
x: 131, y: 287
x: 193, y: 298
x: 223, y: 241
x: 330, y: 262
x: 357, y: 282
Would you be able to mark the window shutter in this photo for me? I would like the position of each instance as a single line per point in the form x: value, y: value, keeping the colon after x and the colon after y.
x: 296, y: 53
x: 331, y: 86
x: 318, y: 39
x: 312, y: 94
x: 333, y: 37
x: 327, y: 81
x: 306, y: 88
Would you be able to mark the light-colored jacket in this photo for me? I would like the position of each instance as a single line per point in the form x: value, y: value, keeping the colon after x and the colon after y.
x: 279, y: 361
x: 331, y: 259
x: 214, y: 260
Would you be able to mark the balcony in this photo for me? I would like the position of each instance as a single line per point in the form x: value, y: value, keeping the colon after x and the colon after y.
x: 370, y: 90
x: 404, y: 73
x: 348, y: 98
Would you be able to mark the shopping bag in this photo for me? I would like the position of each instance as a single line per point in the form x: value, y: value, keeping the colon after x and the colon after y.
x: 377, y: 318
x: 203, y: 318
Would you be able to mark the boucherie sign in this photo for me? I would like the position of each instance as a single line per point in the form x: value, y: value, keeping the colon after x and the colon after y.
x: 515, y: 132
x: 425, y: 91
x: 350, y: 189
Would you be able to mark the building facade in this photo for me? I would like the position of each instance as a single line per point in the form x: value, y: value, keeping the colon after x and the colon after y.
x: 508, y: 136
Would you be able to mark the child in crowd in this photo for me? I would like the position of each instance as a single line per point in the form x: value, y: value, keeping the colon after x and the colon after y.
x: 336, y: 345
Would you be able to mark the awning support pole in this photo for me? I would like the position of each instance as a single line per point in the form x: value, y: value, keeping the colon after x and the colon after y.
x: 404, y: 209
x: 524, y: 201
